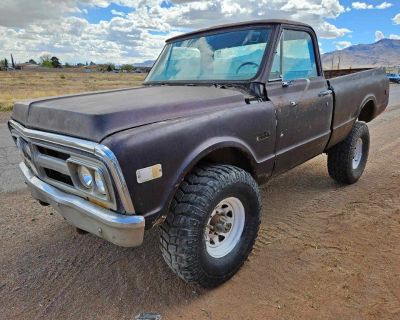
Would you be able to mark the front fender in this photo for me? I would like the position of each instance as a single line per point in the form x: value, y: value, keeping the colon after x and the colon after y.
x: 178, y: 145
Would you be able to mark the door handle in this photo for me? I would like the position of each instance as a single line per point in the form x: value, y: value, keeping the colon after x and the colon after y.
x: 325, y: 93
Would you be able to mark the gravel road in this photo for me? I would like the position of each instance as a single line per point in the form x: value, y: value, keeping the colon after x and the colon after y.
x: 323, y: 252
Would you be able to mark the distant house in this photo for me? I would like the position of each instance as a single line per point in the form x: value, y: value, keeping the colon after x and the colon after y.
x: 90, y: 68
x: 27, y: 66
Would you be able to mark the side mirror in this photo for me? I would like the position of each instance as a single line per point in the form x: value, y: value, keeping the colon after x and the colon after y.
x: 286, y: 84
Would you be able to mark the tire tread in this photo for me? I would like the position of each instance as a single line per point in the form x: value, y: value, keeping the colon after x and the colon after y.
x: 340, y: 156
x: 180, y: 231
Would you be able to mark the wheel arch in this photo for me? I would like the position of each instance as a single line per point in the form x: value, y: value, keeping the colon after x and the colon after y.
x: 368, y: 109
x: 233, y: 152
x: 219, y: 150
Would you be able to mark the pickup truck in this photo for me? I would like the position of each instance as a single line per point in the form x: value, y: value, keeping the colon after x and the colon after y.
x: 222, y: 111
x: 394, y: 77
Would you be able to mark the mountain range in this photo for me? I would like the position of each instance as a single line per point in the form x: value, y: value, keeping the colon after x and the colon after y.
x: 144, y: 64
x: 385, y: 52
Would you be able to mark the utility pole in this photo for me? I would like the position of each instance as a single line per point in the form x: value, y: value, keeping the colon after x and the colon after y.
x: 12, y: 61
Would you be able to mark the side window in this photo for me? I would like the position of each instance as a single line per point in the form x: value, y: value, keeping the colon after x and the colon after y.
x: 295, y: 57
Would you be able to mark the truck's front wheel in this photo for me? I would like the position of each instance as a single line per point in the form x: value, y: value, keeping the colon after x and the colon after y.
x: 212, y: 226
x: 347, y: 160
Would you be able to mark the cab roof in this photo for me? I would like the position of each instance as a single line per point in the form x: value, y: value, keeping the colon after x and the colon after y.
x: 238, y: 24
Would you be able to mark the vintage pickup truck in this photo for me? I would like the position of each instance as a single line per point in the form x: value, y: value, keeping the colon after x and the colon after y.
x: 223, y: 110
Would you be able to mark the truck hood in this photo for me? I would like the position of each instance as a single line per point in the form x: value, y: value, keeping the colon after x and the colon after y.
x: 94, y: 116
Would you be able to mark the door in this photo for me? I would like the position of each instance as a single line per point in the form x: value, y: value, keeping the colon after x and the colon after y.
x: 303, y: 102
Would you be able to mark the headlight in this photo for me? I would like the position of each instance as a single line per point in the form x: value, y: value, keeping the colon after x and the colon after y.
x: 85, y: 177
x: 100, y: 183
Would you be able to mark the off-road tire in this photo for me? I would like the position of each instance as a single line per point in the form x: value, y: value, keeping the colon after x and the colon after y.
x: 340, y: 157
x: 182, y: 235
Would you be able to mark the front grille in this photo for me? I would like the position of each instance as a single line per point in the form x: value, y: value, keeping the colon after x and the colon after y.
x: 51, y: 164
x: 55, y: 159
x: 53, y: 153
x: 58, y: 176
x: 57, y: 165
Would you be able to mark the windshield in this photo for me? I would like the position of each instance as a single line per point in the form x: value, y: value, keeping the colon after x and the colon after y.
x: 233, y: 55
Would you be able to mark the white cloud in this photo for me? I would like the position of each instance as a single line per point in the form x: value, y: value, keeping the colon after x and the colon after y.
x: 361, y: 5
x: 379, y: 35
x: 63, y: 30
x: 396, y: 19
x: 364, y: 6
x: 329, y: 31
x: 340, y: 45
x: 384, y: 5
x: 117, y: 13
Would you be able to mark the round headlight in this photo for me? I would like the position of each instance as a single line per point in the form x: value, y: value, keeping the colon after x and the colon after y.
x: 100, y: 184
x: 85, y: 177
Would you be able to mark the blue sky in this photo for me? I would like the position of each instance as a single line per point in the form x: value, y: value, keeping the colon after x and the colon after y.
x: 364, y: 23
x: 129, y: 31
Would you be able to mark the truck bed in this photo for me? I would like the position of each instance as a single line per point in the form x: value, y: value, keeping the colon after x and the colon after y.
x: 351, y: 93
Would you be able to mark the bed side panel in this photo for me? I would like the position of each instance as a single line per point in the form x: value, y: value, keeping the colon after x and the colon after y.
x: 351, y: 93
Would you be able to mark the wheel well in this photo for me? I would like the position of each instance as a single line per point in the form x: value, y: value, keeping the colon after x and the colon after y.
x: 367, y: 112
x: 232, y: 156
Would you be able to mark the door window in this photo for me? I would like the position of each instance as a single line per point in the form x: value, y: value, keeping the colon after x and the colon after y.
x: 294, y: 57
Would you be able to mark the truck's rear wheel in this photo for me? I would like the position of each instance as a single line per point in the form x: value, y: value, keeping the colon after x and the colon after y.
x: 347, y: 160
x: 212, y: 226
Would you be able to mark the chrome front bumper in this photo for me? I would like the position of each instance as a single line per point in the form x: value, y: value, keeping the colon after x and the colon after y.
x: 122, y: 230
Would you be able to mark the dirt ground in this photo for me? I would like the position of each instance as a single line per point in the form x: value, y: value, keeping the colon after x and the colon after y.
x: 324, y: 252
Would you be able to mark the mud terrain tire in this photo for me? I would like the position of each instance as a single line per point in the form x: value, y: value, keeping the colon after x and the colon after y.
x: 188, y: 238
x: 347, y: 160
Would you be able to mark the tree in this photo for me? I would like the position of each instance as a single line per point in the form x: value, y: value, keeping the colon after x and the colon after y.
x: 4, y: 63
x: 106, y: 67
x: 55, y: 62
x: 45, y: 61
x: 92, y: 63
x: 127, y: 67
x: 110, y: 67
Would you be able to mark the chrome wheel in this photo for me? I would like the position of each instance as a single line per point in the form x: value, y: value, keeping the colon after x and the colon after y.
x: 358, y: 152
x: 224, y: 227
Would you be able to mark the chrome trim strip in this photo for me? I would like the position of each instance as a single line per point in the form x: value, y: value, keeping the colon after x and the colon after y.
x: 99, y: 150
x: 105, y: 153
x: 66, y: 141
x: 52, y: 163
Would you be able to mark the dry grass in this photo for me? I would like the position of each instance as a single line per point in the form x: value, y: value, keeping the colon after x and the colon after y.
x: 22, y: 85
